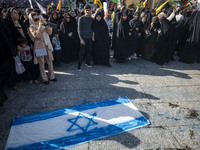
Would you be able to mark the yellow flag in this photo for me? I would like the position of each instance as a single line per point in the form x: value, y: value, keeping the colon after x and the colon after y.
x: 98, y: 2
x: 59, y: 5
x: 160, y: 7
x: 145, y: 3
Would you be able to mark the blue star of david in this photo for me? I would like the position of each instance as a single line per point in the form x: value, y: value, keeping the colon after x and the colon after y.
x: 83, y: 128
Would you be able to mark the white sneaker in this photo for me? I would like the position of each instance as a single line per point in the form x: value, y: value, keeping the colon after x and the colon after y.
x: 88, y: 65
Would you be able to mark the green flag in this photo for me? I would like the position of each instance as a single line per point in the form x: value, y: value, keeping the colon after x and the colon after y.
x: 115, y: 1
x: 69, y: 4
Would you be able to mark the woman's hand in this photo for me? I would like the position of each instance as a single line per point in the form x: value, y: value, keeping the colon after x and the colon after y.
x: 20, y: 49
x: 70, y: 34
x: 82, y: 42
x: 93, y: 39
x: 40, y: 23
x: 152, y: 24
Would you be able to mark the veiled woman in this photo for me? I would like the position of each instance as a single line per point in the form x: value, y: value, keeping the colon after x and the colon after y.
x: 191, y: 50
x: 16, y: 27
x: 122, y: 51
x: 150, y: 39
x: 69, y: 39
x: 101, y: 47
x: 54, y: 19
x: 165, y: 40
x: 7, y: 65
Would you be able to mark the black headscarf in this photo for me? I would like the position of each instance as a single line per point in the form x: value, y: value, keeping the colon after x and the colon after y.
x: 73, y: 19
x: 135, y: 23
x: 66, y: 27
x: 149, y: 18
x: 123, y: 27
x: 100, y: 28
x: 7, y: 47
x: 11, y: 26
x: 52, y: 20
x: 15, y: 33
x: 165, y: 26
x: 188, y: 17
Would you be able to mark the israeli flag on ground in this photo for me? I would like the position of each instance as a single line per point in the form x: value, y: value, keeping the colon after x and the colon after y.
x: 70, y: 126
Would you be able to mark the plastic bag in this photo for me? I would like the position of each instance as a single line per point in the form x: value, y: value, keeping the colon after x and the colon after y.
x: 19, y: 66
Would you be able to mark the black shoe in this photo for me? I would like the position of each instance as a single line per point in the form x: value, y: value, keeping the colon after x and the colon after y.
x: 46, y: 82
x: 79, y: 68
x: 53, y: 79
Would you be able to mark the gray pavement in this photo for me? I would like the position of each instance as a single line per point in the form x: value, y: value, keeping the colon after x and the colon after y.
x: 169, y: 96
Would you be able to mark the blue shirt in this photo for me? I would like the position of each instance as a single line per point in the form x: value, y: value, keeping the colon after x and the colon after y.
x: 57, y: 45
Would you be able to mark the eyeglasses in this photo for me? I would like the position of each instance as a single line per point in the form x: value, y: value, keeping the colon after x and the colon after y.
x: 36, y: 19
x: 68, y: 17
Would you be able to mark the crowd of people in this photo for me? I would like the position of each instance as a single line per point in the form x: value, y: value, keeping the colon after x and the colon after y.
x: 38, y: 39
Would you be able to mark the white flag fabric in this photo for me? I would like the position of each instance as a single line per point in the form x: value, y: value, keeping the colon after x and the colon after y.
x: 43, y: 10
x: 31, y: 4
x: 70, y: 126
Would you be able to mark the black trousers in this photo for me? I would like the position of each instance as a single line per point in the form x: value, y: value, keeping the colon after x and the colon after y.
x: 57, y: 56
x: 85, y: 50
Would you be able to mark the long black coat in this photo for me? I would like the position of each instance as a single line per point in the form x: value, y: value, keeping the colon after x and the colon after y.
x: 191, y: 50
x: 70, y: 45
x: 165, y: 43
x: 122, y: 50
x: 101, y: 46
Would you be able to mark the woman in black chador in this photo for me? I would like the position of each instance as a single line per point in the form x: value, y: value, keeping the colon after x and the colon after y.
x: 165, y: 43
x: 116, y: 20
x: 191, y: 51
x: 69, y: 40
x: 122, y: 50
x: 7, y: 65
x: 136, y: 28
x: 54, y: 19
x: 101, y: 47
x: 150, y: 39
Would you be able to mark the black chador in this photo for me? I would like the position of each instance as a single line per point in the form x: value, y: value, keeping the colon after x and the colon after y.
x: 116, y: 20
x: 191, y: 50
x: 7, y: 65
x: 148, y: 48
x: 69, y: 40
x: 165, y: 43
x: 122, y: 50
x: 101, y: 47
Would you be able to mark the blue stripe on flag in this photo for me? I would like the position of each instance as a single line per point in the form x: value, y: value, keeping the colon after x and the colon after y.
x: 84, y: 137
x: 65, y: 111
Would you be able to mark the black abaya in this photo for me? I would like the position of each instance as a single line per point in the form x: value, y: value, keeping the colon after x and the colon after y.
x: 123, y: 41
x: 191, y: 50
x: 70, y: 45
x: 115, y: 26
x: 7, y: 66
x: 150, y: 41
x: 165, y: 43
x: 101, y: 47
